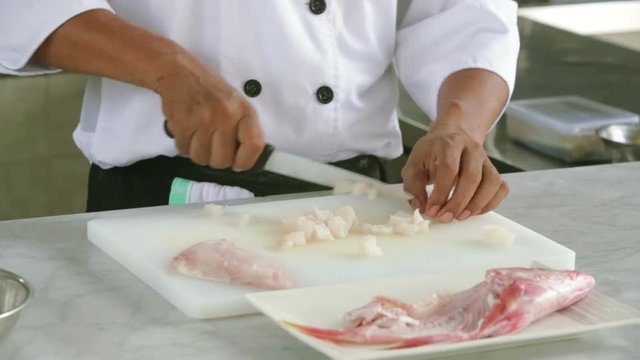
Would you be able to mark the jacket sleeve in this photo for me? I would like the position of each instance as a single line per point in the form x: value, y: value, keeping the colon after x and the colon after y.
x: 25, y: 24
x: 439, y: 37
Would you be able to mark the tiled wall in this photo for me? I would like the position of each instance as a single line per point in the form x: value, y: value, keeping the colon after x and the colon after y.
x: 41, y: 171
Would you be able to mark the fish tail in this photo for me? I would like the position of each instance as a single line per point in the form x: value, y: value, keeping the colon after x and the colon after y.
x: 431, y: 339
x: 341, y: 336
x: 335, y: 335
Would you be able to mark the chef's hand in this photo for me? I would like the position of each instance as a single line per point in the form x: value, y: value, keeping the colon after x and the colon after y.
x: 212, y: 122
x: 451, y: 156
x: 451, y: 159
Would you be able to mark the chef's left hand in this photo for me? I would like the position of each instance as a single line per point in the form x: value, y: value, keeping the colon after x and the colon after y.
x: 451, y: 158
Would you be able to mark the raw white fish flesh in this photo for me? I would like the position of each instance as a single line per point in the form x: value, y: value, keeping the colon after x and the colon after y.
x: 498, y: 235
x: 221, y: 260
x: 214, y: 209
x: 368, y: 247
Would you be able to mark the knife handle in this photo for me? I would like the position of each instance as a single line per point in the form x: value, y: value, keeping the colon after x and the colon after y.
x: 262, y: 159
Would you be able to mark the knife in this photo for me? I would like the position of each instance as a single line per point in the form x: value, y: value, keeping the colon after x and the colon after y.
x: 340, y: 180
x: 308, y: 170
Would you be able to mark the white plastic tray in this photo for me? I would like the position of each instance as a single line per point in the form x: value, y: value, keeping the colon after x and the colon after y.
x: 324, y: 307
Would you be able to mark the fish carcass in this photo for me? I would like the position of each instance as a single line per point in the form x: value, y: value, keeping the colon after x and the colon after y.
x: 508, y: 300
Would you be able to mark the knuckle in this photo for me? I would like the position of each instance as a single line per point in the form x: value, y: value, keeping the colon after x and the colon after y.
x: 472, y: 176
x: 224, y: 110
x: 255, y: 141
x: 406, y: 172
x: 506, y: 187
x: 410, y: 171
x: 448, y: 167
x: 227, y: 111
x: 475, y: 147
x: 492, y: 176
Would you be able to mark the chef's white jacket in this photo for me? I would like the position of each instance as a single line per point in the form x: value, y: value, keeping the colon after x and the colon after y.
x: 355, y: 49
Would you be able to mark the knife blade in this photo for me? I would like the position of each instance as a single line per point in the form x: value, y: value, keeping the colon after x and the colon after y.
x: 308, y: 170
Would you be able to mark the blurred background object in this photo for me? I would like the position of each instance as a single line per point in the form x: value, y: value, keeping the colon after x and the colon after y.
x: 43, y: 173
x: 15, y: 293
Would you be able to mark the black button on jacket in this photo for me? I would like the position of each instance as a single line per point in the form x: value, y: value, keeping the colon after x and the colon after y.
x: 252, y: 88
x: 317, y: 6
x: 324, y: 94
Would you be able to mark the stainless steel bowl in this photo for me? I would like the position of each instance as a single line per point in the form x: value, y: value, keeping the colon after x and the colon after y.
x: 14, y: 295
x: 622, y: 140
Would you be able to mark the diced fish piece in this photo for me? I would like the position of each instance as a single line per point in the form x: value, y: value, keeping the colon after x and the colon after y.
x: 417, y: 217
x: 376, y: 229
x: 290, y: 240
x: 221, y: 260
x: 297, y: 238
x: 365, y: 229
x: 290, y: 224
x: 497, y: 235
x: 214, y: 209
x: 368, y: 246
x: 306, y: 226
x: 321, y: 233
x: 507, y: 301
x: 338, y: 227
x: 348, y: 214
x: 381, y: 229
x: 396, y: 220
x: 320, y: 215
x: 406, y: 229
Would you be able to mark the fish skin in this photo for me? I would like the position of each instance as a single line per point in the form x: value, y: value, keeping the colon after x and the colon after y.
x: 508, y: 300
x: 220, y: 260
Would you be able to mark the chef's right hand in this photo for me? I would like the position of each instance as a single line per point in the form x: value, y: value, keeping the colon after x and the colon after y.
x: 212, y: 122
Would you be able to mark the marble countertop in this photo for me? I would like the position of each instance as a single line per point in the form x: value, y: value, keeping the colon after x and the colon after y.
x: 88, y: 307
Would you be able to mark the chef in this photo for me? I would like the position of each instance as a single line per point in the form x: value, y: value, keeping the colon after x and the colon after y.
x: 317, y: 78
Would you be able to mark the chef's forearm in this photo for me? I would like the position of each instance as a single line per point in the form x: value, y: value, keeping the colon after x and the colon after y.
x: 471, y: 100
x: 98, y: 42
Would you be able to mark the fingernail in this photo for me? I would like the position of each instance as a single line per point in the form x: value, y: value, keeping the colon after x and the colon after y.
x: 433, y: 211
x: 409, y: 196
x: 465, y: 214
x: 446, y: 217
x: 236, y: 169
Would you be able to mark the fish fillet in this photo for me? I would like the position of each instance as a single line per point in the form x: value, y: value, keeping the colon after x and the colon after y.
x: 221, y: 260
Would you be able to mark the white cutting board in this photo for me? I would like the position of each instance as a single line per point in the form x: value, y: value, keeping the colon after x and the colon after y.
x: 146, y: 244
